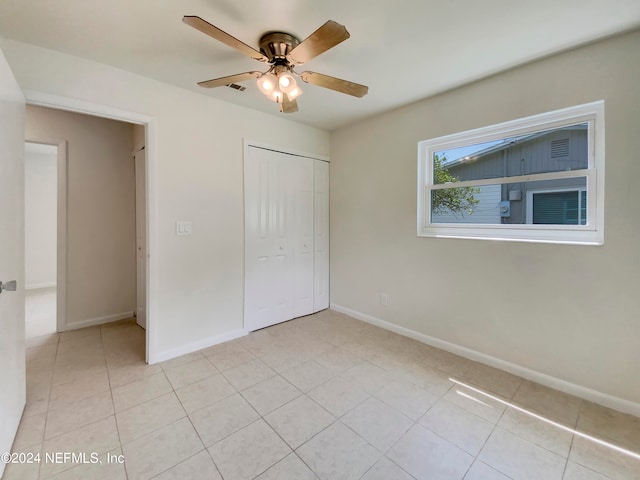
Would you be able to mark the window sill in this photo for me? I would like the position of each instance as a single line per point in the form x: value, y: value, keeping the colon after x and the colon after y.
x: 558, y: 234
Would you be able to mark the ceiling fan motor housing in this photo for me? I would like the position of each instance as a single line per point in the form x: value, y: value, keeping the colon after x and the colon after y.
x: 276, y: 46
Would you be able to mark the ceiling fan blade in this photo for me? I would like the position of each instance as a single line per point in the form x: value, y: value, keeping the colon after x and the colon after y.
x: 224, y: 37
x: 219, y: 82
x: 288, y: 105
x: 327, y: 36
x: 337, y: 84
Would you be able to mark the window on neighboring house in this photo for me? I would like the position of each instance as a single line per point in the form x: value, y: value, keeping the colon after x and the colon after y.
x: 557, y: 207
x: 539, y: 178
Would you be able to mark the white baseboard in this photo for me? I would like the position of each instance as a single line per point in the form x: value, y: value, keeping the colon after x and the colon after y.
x: 595, y: 396
x: 35, y: 286
x: 91, y: 322
x: 195, y: 346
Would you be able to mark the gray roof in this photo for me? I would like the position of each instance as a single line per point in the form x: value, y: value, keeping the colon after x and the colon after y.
x: 508, y: 143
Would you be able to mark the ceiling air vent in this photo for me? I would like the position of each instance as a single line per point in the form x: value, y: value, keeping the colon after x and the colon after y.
x: 235, y: 86
x: 560, y: 148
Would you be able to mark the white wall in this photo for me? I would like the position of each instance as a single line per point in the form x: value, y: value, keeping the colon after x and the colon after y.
x: 40, y: 212
x: 570, y: 312
x: 101, y: 265
x: 198, y: 178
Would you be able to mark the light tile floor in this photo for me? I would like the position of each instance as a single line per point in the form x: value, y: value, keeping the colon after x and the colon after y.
x: 320, y: 397
x: 40, y: 311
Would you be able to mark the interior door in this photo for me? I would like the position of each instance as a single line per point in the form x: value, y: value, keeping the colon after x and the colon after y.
x: 321, y: 236
x: 12, y: 334
x: 268, y: 214
x: 141, y: 239
x: 302, y: 195
x: 279, y: 237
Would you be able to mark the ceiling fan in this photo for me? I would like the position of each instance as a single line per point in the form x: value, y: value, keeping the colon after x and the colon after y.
x: 282, y: 52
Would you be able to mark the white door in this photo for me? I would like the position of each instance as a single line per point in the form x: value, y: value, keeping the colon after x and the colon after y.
x: 258, y: 241
x: 281, y: 213
x: 280, y: 280
x: 141, y: 239
x: 12, y: 342
x: 268, y: 212
x: 301, y: 195
x: 321, y: 234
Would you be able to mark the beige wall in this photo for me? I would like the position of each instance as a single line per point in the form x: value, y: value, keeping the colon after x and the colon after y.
x: 138, y: 136
x: 571, y: 312
x: 101, y: 265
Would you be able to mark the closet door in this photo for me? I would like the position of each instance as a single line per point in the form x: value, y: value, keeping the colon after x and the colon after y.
x: 268, y: 281
x: 280, y: 234
x: 302, y: 196
x: 321, y: 236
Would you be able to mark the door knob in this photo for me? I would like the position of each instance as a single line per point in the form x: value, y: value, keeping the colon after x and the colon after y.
x: 9, y: 286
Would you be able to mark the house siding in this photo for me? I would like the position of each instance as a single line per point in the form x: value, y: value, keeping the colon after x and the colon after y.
x: 527, y: 157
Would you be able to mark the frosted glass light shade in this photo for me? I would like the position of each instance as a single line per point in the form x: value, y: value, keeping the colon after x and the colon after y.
x: 286, y: 82
x: 267, y: 83
x: 276, y: 96
x: 296, y: 92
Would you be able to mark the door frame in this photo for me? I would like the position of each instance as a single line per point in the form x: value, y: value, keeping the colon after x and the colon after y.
x: 276, y: 148
x: 151, y: 163
x: 139, y: 270
x: 61, y: 226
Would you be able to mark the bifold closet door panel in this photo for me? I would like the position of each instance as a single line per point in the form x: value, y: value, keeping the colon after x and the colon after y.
x: 321, y: 236
x: 268, y: 276
x: 258, y: 244
x: 302, y: 196
x: 282, y: 229
x: 286, y: 269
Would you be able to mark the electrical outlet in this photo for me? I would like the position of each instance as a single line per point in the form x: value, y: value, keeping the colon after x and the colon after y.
x: 384, y: 300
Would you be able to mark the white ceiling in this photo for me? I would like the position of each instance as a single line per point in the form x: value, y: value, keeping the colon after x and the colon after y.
x: 404, y: 50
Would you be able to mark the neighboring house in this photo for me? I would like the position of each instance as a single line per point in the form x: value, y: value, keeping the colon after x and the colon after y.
x: 552, y: 202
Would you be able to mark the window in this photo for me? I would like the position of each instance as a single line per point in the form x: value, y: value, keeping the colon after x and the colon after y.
x: 557, y: 207
x: 537, y: 179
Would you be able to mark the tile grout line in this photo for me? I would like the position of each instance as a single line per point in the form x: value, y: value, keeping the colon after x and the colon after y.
x: 115, y: 418
x: 49, y: 409
x: 495, y: 426
x: 573, y: 437
x: 44, y: 432
x: 566, y: 464
x: 237, y: 392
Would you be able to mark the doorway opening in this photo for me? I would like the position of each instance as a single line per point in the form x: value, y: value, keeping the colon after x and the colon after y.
x: 104, y: 185
x: 41, y: 238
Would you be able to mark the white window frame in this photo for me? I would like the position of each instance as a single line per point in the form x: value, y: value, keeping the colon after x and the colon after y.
x: 531, y: 193
x: 590, y: 234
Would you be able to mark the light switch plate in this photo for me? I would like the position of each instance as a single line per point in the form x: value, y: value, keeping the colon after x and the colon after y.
x: 183, y: 227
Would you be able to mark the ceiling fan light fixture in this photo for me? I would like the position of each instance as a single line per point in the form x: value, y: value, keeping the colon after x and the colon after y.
x: 267, y: 83
x: 282, y: 52
x: 296, y: 92
x: 286, y: 82
x: 276, y: 95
